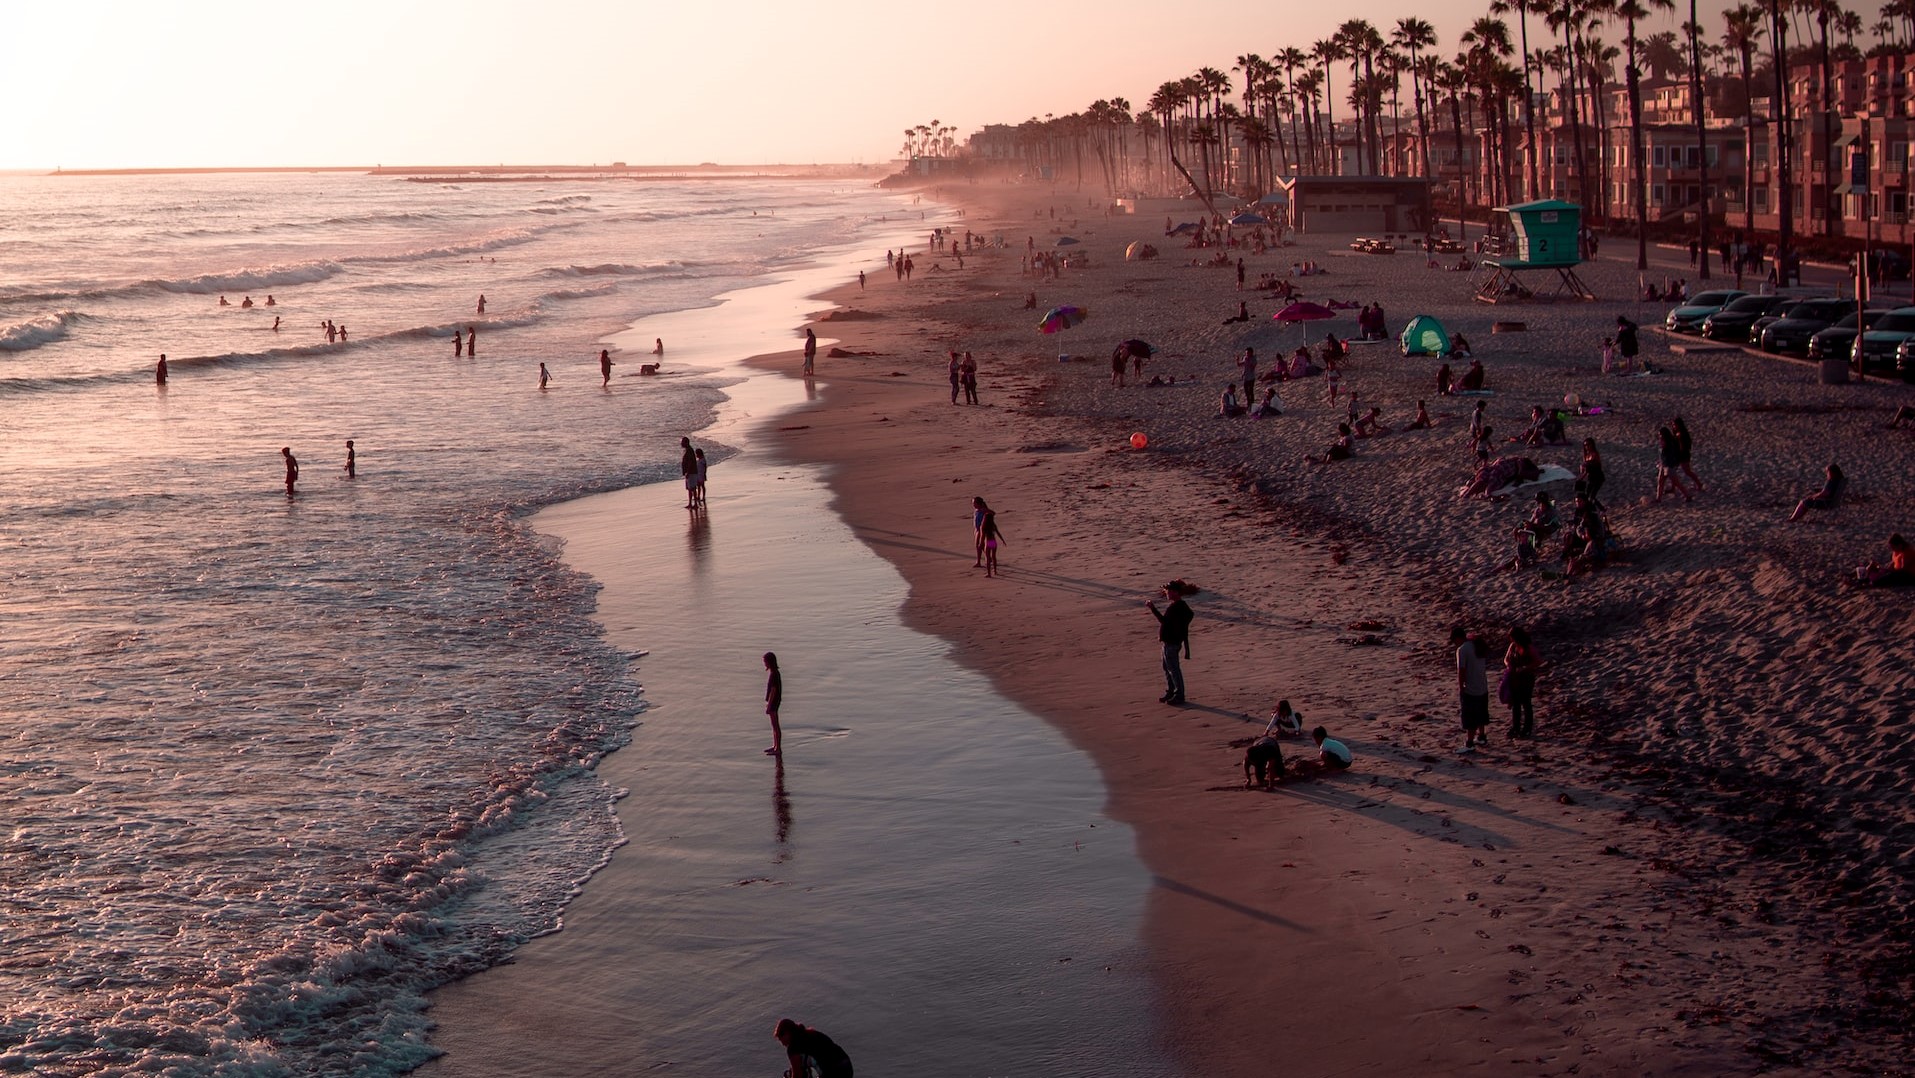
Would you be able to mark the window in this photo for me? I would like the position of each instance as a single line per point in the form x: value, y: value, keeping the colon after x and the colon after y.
x: 1657, y: 157
x: 1656, y: 195
x: 1761, y: 200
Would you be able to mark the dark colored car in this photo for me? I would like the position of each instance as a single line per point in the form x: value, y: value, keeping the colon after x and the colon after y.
x: 1789, y: 335
x: 1835, y: 341
x: 1732, y: 323
x: 1763, y: 322
x: 1878, y: 342
x: 1688, y: 317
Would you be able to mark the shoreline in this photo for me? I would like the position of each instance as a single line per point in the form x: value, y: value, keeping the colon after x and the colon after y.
x: 699, y: 931
x: 1560, y: 902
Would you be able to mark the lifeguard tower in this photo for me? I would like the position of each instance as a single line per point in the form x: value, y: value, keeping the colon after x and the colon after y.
x: 1547, y: 236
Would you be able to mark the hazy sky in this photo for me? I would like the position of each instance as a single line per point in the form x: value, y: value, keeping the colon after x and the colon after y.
x: 114, y: 83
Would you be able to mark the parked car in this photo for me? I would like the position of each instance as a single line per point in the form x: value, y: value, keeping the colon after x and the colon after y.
x: 1878, y: 342
x: 1689, y: 317
x: 1732, y: 322
x: 1834, y: 342
x: 1764, y: 321
x: 1789, y: 335
x: 1365, y: 245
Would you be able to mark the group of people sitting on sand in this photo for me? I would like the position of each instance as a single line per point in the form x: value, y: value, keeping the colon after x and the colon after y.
x: 1473, y: 381
x: 1263, y: 763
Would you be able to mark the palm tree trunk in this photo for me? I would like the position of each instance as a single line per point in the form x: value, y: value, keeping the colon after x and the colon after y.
x: 1702, y: 144
x: 1639, y: 182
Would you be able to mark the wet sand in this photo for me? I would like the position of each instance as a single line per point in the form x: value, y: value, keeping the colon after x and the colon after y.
x: 926, y: 874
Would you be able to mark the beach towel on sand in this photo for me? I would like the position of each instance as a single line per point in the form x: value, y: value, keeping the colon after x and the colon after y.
x: 1551, y: 473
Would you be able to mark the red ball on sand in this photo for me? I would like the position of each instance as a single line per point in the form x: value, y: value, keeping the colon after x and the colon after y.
x: 1138, y: 441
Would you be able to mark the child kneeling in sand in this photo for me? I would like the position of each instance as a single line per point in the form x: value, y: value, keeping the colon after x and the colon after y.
x: 1265, y: 758
x: 1332, y: 755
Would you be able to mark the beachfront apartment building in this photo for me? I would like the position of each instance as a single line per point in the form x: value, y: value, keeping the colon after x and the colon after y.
x: 1734, y: 169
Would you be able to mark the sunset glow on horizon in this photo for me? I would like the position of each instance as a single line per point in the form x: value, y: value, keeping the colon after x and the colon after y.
x: 124, y: 85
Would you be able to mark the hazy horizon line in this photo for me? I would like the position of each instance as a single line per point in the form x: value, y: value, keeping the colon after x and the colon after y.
x: 460, y: 170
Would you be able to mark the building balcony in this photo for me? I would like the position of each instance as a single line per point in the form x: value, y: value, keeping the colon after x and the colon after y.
x: 1895, y: 217
x: 1895, y: 167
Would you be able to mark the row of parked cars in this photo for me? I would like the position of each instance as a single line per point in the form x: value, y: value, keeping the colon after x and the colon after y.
x: 1819, y: 327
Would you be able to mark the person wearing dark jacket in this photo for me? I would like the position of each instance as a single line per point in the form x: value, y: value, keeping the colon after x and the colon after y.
x: 807, y: 1048
x: 1173, y: 631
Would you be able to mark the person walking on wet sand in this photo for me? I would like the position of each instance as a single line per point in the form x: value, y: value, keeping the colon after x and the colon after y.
x: 292, y: 469
x: 604, y: 368
x: 352, y: 461
x: 774, y: 697
x: 688, y: 468
x: 993, y: 537
x: 1173, y: 632
x: 811, y: 350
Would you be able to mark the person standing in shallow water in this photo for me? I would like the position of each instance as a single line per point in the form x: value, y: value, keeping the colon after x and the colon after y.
x: 604, y: 368
x: 352, y: 461
x: 292, y: 469
x: 159, y: 370
x: 688, y: 468
x: 811, y: 350
x: 774, y: 698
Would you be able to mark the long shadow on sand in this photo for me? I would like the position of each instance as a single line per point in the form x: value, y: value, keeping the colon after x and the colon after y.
x: 1232, y: 905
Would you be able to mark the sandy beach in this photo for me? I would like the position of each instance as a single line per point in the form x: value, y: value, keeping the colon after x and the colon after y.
x: 1699, y: 864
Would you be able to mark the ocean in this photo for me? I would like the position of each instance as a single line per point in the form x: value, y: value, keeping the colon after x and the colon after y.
x: 275, y: 766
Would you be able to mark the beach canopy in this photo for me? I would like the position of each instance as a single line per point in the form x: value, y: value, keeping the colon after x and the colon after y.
x: 1059, y: 319
x: 1304, y: 311
x: 1187, y: 226
x: 1248, y: 219
x: 1424, y: 336
x: 1065, y: 241
x: 1135, y: 347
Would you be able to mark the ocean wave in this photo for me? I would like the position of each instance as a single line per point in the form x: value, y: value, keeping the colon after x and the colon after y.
x: 34, y: 332
x: 579, y: 293
x: 565, y: 200
x: 508, y: 238
x: 605, y: 269
x: 248, y: 280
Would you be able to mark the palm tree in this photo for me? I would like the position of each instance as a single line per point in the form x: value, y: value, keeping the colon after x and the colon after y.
x: 1414, y: 35
x: 1568, y: 15
x: 1599, y: 66
x: 1290, y: 58
x: 1326, y: 52
x: 1523, y: 9
x: 1784, y: 127
x: 1662, y: 55
x: 1696, y: 108
x: 1744, y: 22
x: 1630, y: 11
x: 1824, y: 11
x: 1306, y: 88
x: 1489, y: 44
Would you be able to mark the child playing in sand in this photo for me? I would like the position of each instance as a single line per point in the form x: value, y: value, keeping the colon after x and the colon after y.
x: 1898, y: 573
x: 1332, y: 755
x: 1371, y: 424
x: 1608, y: 354
x: 1331, y: 376
x: 1265, y: 758
x: 1422, y: 420
x: 1283, y: 720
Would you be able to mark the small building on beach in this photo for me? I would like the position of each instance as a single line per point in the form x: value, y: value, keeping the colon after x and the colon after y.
x: 1358, y: 203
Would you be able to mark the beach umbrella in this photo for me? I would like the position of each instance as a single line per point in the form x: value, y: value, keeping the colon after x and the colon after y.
x: 1065, y: 241
x: 1059, y: 319
x: 1140, y: 349
x: 1248, y: 219
x: 1304, y: 311
x: 1139, y: 250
